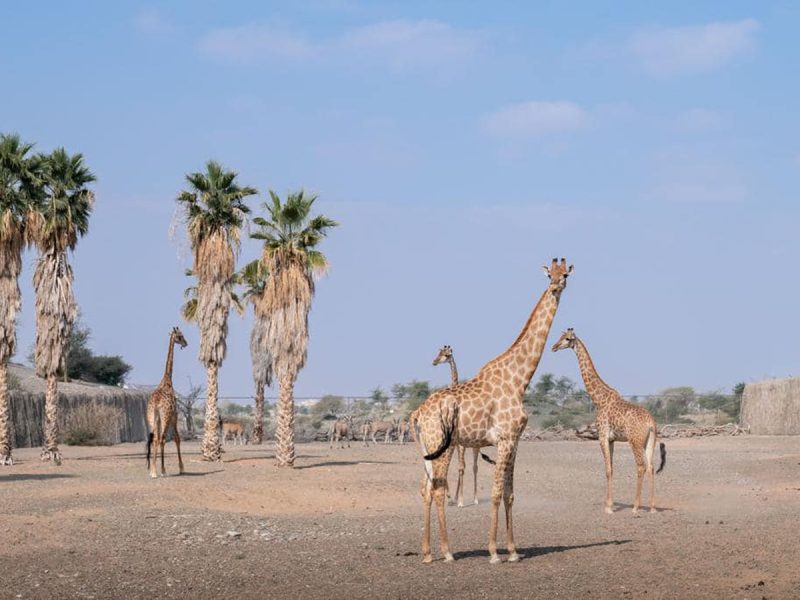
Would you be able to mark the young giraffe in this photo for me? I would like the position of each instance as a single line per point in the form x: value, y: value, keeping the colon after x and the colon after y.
x: 446, y: 355
x: 162, y: 413
x: 486, y: 411
x: 617, y: 420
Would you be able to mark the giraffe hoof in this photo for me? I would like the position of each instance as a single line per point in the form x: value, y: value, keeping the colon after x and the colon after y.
x: 635, y: 510
x: 494, y: 560
x: 609, y: 510
x: 475, y: 502
x: 427, y: 559
x: 153, y: 476
x: 448, y: 558
x: 460, y: 505
x: 653, y: 510
x: 513, y: 557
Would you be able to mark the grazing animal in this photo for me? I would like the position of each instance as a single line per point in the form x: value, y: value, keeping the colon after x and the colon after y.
x: 162, y: 413
x: 617, y: 420
x: 446, y: 355
x: 234, y: 431
x: 373, y: 428
x: 486, y: 410
x: 402, y: 430
x: 340, y: 431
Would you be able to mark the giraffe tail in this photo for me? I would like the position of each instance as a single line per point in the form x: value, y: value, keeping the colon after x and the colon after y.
x: 449, y: 424
x: 487, y: 459
x: 663, y: 447
x: 149, y: 445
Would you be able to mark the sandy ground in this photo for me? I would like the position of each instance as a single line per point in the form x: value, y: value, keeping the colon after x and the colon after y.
x: 347, y: 523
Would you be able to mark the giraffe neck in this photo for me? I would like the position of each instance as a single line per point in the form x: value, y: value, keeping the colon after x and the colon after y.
x: 168, y: 367
x: 519, y: 362
x: 453, y: 370
x: 599, y: 391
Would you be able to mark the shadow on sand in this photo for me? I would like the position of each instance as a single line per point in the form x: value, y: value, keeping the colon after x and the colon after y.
x: 533, y: 552
x: 346, y: 463
x: 35, y: 476
x: 643, y: 508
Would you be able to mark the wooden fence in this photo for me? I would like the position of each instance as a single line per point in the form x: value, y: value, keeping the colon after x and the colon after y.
x: 27, y: 415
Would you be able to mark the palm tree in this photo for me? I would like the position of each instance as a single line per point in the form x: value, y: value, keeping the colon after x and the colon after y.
x: 254, y: 277
x: 215, y: 212
x: 58, y: 219
x: 17, y: 177
x: 189, y: 306
x: 290, y: 236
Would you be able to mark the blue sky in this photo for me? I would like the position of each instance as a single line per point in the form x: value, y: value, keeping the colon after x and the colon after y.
x: 460, y: 147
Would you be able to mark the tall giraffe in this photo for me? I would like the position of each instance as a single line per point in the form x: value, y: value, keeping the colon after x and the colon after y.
x: 617, y: 420
x: 162, y: 413
x: 486, y: 410
x: 446, y: 355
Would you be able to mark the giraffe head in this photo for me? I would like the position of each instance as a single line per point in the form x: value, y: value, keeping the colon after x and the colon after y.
x: 557, y: 273
x: 445, y: 354
x: 177, y: 337
x: 567, y: 340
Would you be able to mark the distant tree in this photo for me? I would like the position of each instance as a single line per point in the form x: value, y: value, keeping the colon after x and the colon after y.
x: 234, y: 410
x: 186, y: 403
x: 738, y: 389
x: 412, y: 394
x: 541, y: 390
x: 380, y: 401
x: 81, y: 362
x: 109, y: 370
x: 328, y: 405
x: 360, y: 407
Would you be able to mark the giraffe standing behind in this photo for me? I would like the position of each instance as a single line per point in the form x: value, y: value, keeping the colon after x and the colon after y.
x: 446, y: 355
x: 486, y: 410
x: 617, y: 420
x: 162, y: 413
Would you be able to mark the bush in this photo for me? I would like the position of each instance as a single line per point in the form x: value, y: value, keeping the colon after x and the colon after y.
x: 12, y: 382
x: 92, y: 424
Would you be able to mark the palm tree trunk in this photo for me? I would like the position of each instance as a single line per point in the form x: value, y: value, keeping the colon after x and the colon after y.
x: 5, y: 421
x: 210, y: 447
x: 284, y: 433
x: 50, y: 450
x: 258, y: 416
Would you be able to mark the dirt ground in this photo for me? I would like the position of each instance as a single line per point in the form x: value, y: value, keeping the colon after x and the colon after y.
x: 347, y: 523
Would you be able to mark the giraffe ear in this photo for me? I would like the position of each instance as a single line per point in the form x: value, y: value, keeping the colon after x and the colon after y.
x: 546, y: 271
x: 571, y: 269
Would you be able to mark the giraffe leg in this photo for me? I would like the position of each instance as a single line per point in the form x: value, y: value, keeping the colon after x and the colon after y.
x: 638, y: 455
x: 177, y: 438
x: 475, y: 453
x: 460, y: 484
x: 154, y: 444
x: 650, y: 455
x: 444, y: 543
x: 163, y: 441
x: 427, y: 496
x: 608, y: 457
x: 504, y: 450
x: 508, y: 501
